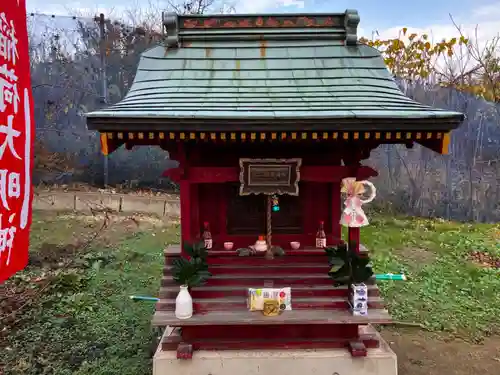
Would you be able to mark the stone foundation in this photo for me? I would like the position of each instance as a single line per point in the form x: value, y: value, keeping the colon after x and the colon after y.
x: 379, y: 361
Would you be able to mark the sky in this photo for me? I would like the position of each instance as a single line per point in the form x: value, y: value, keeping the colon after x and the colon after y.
x: 384, y: 17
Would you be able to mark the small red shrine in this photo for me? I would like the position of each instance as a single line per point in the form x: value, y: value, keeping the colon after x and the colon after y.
x: 257, y: 105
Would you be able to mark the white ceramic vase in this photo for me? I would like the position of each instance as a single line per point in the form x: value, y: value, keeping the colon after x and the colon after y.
x: 183, y: 304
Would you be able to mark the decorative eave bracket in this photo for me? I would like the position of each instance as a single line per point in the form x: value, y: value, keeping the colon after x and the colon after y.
x: 351, y: 23
x: 170, y: 29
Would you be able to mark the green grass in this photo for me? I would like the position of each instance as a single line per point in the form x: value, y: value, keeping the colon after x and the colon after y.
x: 84, y: 323
x: 445, y: 290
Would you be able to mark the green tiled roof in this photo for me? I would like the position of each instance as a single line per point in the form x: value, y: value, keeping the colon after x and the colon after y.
x: 230, y: 78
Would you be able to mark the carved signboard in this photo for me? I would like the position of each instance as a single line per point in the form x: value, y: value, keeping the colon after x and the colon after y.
x: 269, y: 176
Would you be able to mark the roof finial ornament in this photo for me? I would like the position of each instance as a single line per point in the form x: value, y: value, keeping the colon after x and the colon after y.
x: 351, y: 22
x: 170, y: 29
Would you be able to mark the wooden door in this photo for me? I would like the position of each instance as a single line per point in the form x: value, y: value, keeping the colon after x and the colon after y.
x: 246, y: 215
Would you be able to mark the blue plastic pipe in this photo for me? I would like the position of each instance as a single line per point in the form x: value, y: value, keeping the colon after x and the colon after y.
x: 390, y: 276
x: 144, y: 298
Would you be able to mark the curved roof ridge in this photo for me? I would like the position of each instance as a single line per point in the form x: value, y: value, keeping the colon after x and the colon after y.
x: 316, y: 80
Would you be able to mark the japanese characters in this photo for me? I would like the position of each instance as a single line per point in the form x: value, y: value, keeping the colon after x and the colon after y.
x: 16, y: 126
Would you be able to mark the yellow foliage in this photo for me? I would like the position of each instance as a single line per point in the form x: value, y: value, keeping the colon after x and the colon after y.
x: 415, y: 60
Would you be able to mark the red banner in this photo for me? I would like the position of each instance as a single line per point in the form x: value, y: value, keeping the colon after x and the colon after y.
x: 17, y: 131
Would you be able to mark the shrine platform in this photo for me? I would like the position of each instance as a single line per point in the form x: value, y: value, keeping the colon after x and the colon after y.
x: 378, y: 361
x: 320, y: 317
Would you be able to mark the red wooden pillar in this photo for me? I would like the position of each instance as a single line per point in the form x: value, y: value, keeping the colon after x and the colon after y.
x: 195, y: 211
x: 336, y: 209
x: 353, y: 236
x: 222, y: 208
x: 185, y: 195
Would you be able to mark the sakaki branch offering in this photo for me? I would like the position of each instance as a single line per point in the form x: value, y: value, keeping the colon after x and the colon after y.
x: 16, y: 141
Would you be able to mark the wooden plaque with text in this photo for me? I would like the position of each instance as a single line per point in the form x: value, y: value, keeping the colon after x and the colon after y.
x: 270, y: 176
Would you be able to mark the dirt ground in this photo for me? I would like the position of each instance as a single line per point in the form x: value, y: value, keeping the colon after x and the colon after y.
x: 422, y: 353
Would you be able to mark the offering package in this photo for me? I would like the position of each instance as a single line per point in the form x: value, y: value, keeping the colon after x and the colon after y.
x: 257, y: 297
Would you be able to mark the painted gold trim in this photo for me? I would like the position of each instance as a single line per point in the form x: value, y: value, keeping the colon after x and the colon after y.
x: 104, y: 144
x: 445, y: 144
x: 278, y: 136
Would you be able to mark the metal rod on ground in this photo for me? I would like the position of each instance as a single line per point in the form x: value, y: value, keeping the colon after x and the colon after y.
x: 104, y: 80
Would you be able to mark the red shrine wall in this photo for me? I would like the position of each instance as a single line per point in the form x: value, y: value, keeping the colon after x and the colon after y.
x: 241, y: 222
x: 241, y: 219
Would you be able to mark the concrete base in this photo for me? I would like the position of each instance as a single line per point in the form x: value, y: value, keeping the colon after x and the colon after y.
x: 380, y: 361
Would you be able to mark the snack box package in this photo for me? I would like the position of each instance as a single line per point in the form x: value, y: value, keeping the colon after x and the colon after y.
x: 359, y: 308
x: 359, y: 292
x: 256, y: 298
